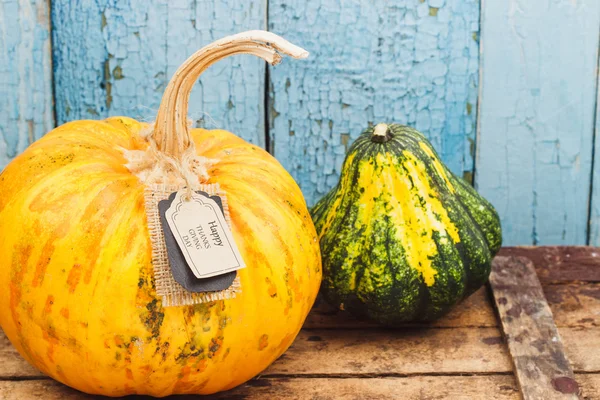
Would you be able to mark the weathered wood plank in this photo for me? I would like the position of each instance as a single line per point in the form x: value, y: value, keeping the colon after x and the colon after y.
x: 407, y: 351
x: 590, y: 386
x: 536, y: 116
x: 413, y: 387
x: 582, y: 348
x: 475, y: 311
x: 410, y: 351
x: 386, y: 353
x: 368, y: 351
x: 115, y: 58
x: 561, y: 264
x: 574, y: 305
x: 412, y: 62
x: 541, y: 365
x: 26, y: 98
x: 494, y: 387
x: 489, y: 387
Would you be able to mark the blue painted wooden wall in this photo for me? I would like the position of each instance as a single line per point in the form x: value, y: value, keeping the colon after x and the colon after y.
x: 506, y: 91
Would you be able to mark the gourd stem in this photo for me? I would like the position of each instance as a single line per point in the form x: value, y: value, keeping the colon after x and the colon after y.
x: 381, y: 133
x: 171, y: 132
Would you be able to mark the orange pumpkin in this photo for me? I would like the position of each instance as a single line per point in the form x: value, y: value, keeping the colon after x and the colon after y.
x: 78, y: 297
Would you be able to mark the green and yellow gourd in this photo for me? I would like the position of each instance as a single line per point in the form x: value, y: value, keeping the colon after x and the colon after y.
x: 402, y: 238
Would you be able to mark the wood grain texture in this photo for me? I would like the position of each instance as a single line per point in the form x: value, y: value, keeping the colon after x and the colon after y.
x: 541, y: 365
x: 475, y: 311
x: 494, y: 387
x: 116, y: 57
x: 364, y: 351
x: 490, y: 387
x: 415, y: 387
x: 582, y: 348
x: 561, y: 264
x: 536, y: 117
x: 407, y: 351
x: 574, y: 305
x: 26, y: 111
x: 590, y: 386
x: 411, y: 62
x: 419, y: 351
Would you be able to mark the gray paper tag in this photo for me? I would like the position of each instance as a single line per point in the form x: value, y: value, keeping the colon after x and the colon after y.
x: 182, y: 272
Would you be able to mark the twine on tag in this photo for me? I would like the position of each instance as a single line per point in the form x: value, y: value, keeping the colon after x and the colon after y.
x: 170, y: 162
x: 172, y: 293
x: 153, y: 166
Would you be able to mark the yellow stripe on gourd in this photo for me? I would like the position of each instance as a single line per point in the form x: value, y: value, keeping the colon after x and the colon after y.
x: 415, y: 222
x: 333, y: 210
x: 373, y: 188
x: 439, y: 168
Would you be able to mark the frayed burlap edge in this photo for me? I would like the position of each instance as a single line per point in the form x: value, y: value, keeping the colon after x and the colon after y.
x: 172, y: 293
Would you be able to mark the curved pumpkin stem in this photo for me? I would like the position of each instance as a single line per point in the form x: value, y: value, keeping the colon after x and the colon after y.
x: 171, y: 131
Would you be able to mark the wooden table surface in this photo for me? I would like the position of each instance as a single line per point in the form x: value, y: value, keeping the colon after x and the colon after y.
x: 462, y: 356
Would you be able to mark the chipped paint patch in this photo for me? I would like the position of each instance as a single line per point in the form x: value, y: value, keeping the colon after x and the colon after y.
x: 122, y: 63
x: 26, y: 100
x: 427, y: 88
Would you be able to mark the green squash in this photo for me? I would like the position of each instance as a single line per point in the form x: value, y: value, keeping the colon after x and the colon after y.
x: 402, y: 238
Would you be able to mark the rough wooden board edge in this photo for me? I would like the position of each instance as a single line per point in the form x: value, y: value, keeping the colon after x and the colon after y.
x: 541, y: 365
x: 488, y: 387
x: 560, y: 264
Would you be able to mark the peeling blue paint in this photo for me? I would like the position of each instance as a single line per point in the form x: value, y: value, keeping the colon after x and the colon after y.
x: 371, y: 62
x: 145, y: 41
x: 407, y: 61
x: 25, y: 76
x: 537, y: 111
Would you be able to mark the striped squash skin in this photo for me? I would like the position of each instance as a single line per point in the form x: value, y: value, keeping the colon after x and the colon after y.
x: 76, y: 275
x: 402, y: 238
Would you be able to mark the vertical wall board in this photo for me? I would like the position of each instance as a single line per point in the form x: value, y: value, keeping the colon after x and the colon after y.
x: 26, y: 111
x: 413, y: 62
x: 594, y: 217
x: 230, y: 94
x: 536, y: 117
x: 115, y: 57
x: 80, y: 59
